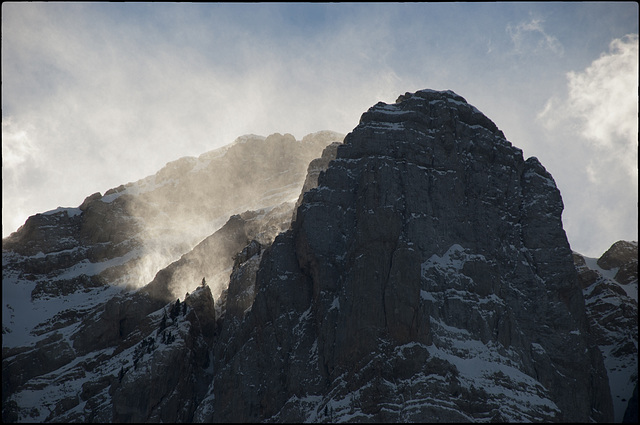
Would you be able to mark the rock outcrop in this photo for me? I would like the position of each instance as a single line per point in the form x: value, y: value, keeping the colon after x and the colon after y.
x: 317, y: 166
x: 610, y: 287
x: 426, y: 278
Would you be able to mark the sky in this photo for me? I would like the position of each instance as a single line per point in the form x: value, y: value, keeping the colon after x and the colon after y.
x: 95, y: 95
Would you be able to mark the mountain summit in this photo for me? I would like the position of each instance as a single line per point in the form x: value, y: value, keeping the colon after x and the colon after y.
x: 426, y: 278
x: 422, y: 275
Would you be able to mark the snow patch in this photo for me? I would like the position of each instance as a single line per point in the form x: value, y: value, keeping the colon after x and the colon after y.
x: 71, y: 212
x: 452, y: 261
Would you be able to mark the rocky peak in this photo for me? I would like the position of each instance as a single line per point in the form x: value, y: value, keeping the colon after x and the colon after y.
x: 424, y: 100
x: 430, y: 260
x: 622, y: 255
x: 610, y: 287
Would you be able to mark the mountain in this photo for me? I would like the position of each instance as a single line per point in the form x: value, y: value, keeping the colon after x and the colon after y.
x: 610, y: 287
x: 427, y: 276
x: 416, y: 271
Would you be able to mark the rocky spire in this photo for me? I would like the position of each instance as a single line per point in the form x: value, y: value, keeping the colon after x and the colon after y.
x: 426, y: 278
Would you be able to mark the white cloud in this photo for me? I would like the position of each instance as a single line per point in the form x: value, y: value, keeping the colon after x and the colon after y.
x: 20, y: 161
x: 17, y: 146
x: 605, y: 96
x: 530, y: 37
x: 602, y: 107
x: 594, y: 130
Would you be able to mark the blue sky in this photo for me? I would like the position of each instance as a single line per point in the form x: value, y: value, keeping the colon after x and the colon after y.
x: 95, y: 95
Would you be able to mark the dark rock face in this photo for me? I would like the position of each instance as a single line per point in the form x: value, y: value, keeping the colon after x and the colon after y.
x: 426, y: 278
x: 316, y: 167
x: 172, y: 368
x: 610, y: 287
x: 631, y: 414
x: 622, y: 255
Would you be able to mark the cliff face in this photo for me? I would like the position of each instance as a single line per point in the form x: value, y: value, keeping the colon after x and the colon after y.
x: 427, y: 277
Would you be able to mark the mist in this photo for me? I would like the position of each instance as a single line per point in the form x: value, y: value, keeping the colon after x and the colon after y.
x: 189, y: 220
